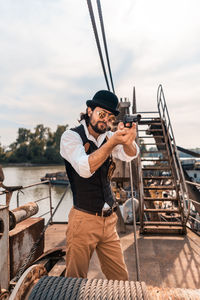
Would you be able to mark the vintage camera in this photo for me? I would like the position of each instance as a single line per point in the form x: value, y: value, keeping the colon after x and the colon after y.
x: 129, y: 119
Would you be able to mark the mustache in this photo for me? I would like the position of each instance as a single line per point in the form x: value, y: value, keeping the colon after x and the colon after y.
x: 98, y: 122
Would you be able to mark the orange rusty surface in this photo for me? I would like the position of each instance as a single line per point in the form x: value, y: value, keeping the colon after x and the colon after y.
x: 22, y: 238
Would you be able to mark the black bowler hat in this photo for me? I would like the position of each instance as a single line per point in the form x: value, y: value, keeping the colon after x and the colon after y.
x: 104, y: 99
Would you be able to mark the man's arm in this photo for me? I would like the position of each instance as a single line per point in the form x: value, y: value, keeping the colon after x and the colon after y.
x: 124, y: 136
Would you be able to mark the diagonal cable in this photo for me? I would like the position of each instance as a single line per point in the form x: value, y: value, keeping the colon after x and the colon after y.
x: 97, y: 40
x: 104, y: 40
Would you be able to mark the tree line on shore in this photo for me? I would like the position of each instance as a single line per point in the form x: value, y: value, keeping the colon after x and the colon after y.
x: 40, y: 146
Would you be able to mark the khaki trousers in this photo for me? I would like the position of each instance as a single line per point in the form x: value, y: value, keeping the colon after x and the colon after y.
x: 86, y: 233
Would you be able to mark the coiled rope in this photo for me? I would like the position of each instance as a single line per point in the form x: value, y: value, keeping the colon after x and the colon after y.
x: 63, y: 288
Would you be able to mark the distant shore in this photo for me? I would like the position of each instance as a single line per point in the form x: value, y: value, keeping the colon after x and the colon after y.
x: 28, y: 164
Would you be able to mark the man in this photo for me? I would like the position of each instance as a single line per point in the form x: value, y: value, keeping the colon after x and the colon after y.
x: 87, y: 151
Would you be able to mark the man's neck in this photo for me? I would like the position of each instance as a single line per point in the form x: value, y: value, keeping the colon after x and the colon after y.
x: 92, y: 132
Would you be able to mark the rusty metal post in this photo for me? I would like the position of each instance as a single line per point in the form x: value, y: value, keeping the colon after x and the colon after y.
x: 50, y: 203
x: 4, y: 248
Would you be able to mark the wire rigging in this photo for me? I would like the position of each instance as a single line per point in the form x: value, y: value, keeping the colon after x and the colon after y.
x: 98, y: 42
x: 104, y: 40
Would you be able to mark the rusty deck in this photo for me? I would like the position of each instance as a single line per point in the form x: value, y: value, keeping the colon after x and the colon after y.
x: 165, y: 261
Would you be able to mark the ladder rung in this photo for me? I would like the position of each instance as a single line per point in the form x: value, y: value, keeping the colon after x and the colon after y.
x: 153, y: 151
x: 150, y: 130
x: 155, y: 168
x: 150, y: 122
x: 162, y: 223
x: 160, y: 187
x: 155, y: 210
x: 157, y: 177
x: 151, y: 137
x: 156, y: 160
x: 160, y: 199
x: 150, y: 118
x: 154, y: 144
x: 148, y: 112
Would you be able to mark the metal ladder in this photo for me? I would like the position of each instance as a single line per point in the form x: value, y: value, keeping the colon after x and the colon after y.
x: 164, y: 201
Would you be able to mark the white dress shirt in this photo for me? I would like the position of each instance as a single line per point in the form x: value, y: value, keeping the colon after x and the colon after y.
x: 72, y: 149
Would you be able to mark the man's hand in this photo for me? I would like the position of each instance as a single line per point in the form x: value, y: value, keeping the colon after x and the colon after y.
x: 124, y: 135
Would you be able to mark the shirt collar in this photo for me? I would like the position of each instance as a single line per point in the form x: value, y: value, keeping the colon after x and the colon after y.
x: 90, y: 137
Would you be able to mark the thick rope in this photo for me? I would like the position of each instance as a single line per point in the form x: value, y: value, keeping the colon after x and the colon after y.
x: 98, y: 289
x: 50, y: 289
x: 62, y: 288
x: 76, y: 289
x: 69, y: 290
x: 58, y: 288
x: 36, y: 288
x: 133, y: 290
x: 82, y: 289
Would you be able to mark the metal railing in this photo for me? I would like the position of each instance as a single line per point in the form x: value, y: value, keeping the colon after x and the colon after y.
x: 193, y: 218
x: 164, y: 115
x: 49, y: 196
x: 20, y: 189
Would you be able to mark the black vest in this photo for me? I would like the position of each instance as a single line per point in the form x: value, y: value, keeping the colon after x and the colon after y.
x: 90, y: 193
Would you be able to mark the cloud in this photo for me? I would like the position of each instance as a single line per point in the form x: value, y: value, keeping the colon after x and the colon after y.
x: 50, y: 64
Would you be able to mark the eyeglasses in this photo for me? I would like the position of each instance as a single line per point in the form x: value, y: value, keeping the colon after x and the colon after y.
x: 102, y: 114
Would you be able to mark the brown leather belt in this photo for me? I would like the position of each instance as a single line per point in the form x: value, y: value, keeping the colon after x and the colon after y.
x: 104, y: 213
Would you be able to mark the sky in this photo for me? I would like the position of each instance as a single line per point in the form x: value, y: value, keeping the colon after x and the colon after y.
x: 49, y: 63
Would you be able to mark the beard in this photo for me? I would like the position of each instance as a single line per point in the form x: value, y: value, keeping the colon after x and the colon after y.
x: 97, y: 128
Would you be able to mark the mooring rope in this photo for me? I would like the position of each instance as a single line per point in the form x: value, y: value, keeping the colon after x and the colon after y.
x: 63, y: 288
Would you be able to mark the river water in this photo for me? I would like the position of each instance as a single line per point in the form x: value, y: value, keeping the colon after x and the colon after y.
x: 26, y: 176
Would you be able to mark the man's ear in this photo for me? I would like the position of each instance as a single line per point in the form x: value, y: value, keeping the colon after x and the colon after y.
x: 89, y: 111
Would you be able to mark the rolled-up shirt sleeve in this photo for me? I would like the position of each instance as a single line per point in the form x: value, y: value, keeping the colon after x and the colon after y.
x: 72, y: 149
x: 118, y: 151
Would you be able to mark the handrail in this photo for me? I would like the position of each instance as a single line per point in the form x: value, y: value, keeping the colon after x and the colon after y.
x: 37, y: 200
x: 193, y: 183
x: 164, y: 115
x: 41, y: 199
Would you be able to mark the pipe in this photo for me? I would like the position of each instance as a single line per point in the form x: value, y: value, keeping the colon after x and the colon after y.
x: 22, y: 213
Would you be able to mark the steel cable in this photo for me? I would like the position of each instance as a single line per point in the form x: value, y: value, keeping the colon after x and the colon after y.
x: 127, y: 290
x: 97, y: 41
x: 69, y: 289
x: 133, y: 290
x: 104, y: 289
x: 139, y: 290
x: 50, y: 289
x: 110, y: 290
x: 87, y: 289
x: 76, y: 289
x: 36, y: 287
x: 116, y: 290
x: 104, y: 41
x: 59, y: 288
x: 41, y: 290
x: 41, y: 287
x: 98, y: 289
x: 82, y: 289
x: 121, y: 290
x: 64, y: 288
x: 93, y: 288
